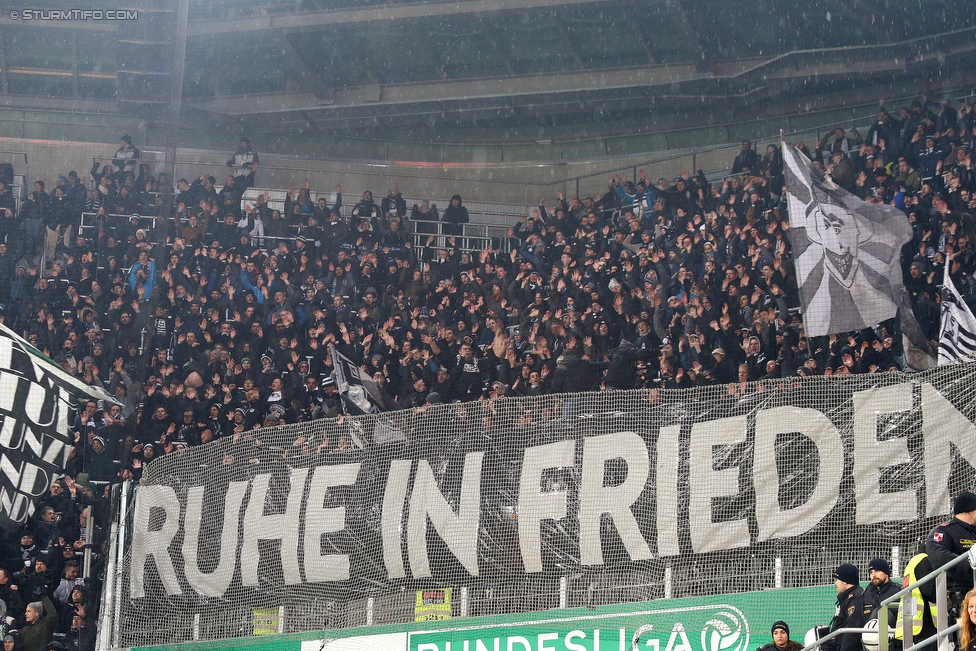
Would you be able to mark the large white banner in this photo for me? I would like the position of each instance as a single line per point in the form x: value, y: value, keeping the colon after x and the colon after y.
x: 492, y: 492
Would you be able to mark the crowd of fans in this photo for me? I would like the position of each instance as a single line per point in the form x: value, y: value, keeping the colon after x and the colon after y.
x: 49, y: 595
x: 209, y: 319
x: 206, y: 316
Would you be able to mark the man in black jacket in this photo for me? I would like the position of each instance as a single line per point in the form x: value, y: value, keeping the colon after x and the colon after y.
x: 950, y: 539
x: 623, y: 365
x: 394, y: 206
x: 575, y: 374
x: 467, y: 376
x: 880, y: 589
x: 850, y: 607
x: 747, y: 160
x: 245, y: 163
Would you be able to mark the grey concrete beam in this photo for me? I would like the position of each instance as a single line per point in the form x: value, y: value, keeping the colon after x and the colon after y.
x: 674, y: 84
x: 642, y: 37
x: 488, y: 29
x: 308, y: 19
x: 29, y: 102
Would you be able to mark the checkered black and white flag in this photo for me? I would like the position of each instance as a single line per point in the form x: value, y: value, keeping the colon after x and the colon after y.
x: 37, y: 404
x: 957, y: 335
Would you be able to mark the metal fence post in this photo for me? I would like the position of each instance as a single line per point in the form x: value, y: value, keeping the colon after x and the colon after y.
x: 117, y: 619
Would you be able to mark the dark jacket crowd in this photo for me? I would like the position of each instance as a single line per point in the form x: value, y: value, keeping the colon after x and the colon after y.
x: 207, y: 316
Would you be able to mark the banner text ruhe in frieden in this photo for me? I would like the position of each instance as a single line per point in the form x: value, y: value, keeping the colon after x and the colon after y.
x: 482, y: 490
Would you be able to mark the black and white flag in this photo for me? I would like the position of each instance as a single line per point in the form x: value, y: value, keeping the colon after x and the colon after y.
x: 847, y: 251
x: 37, y: 404
x: 957, y: 335
x: 360, y: 393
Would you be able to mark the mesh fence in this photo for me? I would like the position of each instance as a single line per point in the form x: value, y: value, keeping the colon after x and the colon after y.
x: 536, y: 503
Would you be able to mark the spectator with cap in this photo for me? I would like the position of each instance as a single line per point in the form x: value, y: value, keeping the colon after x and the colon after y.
x: 880, y: 588
x: 850, y: 607
x: 781, y: 639
x: 83, y: 631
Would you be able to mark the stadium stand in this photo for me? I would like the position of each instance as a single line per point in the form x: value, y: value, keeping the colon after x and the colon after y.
x: 213, y: 317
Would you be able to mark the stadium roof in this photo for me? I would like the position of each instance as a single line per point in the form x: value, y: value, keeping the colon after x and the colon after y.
x: 491, y: 70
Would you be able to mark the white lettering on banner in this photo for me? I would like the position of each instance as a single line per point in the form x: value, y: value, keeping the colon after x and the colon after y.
x: 8, y: 390
x: 28, y: 479
x: 320, y: 521
x: 35, y: 433
x: 667, y: 490
x: 943, y: 426
x: 154, y: 544
x: 707, y: 483
x: 456, y: 530
x: 16, y: 506
x: 300, y: 517
x: 536, y: 505
x: 597, y: 499
x: 279, y: 526
x: 39, y: 400
x: 392, y: 524
x: 215, y: 583
x: 773, y: 521
x: 873, y: 456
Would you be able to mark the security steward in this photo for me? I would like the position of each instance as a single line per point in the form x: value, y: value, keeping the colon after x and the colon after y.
x: 923, y: 613
x: 950, y: 539
x: 850, y: 608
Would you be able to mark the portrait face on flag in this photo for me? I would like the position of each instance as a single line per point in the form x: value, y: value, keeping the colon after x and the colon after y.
x: 846, y: 250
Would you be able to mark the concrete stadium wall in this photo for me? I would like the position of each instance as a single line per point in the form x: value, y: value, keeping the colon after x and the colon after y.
x: 56, y: 142
x: 520, y: 182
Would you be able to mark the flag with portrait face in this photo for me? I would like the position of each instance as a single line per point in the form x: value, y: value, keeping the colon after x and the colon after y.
x: 846, y: 251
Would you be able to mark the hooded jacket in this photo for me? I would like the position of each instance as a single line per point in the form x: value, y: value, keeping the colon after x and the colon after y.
x: 454, y: 216
x: 622, y: 369
x: 575, y: 374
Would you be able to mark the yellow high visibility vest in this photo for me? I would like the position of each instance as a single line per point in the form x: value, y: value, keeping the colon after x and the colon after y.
x: 920, y: 604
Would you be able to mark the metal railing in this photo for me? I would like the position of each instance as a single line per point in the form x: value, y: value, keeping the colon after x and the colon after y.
x: 834, y: 634
x: 904, y: 599
x: 943, y: 630
x: 473, y: 236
